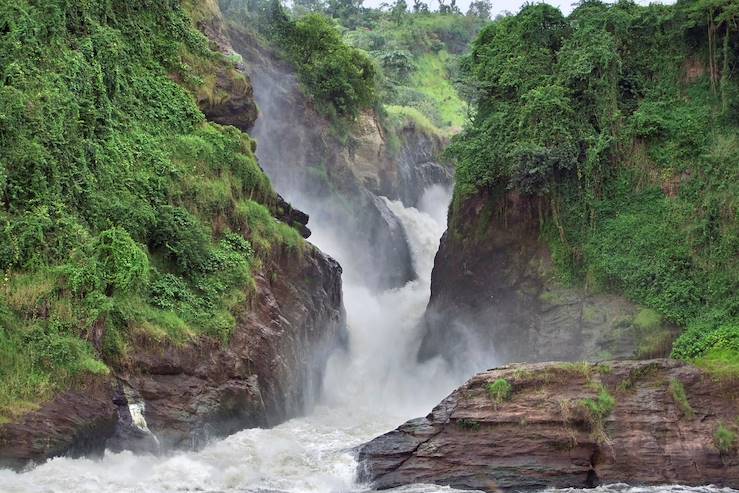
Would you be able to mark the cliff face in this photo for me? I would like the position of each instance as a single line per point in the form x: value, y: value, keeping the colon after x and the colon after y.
x: 555, y: 428
x: 494, y: 294
x: 340, y: 177
x: 163, y: 394
x: 269, y: 371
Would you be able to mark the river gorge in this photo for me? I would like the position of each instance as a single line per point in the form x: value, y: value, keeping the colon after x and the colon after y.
x: 392, y: 322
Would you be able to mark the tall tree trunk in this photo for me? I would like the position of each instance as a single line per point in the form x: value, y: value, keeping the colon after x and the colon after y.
x: 725, y: 71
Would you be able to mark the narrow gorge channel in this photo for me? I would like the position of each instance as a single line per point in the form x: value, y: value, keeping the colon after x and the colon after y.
x: 361, y: 362
x: 371, y: 385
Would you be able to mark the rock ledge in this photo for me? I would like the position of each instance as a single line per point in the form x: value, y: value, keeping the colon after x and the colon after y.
x: 557, y: 429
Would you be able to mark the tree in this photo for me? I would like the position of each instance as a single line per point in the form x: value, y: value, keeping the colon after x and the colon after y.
x: 480, y: 8
x: 419, y: 7
x: 302, y: 7
x: 345, y: 10
x: 398, y: 11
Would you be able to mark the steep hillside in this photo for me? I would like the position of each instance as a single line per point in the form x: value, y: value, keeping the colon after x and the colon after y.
x: 601, y: 161
x: 139, y: 241
x: 336, y: 162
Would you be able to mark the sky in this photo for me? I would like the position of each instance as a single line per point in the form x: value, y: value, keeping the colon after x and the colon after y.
x: 500, y: 6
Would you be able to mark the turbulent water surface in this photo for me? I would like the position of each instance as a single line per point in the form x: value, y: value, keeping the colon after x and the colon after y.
x: 369, y: 389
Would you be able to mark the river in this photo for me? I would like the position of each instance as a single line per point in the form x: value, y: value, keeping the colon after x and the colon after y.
x: 369, y: 389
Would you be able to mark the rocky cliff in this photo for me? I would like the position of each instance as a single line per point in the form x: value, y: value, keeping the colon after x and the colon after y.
x: 495, y: 295
x: 317, y: 166
x: 529, y: 427
x: 163, y: 394
x: 269, y: 371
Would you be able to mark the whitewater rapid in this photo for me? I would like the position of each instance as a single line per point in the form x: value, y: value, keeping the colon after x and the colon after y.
x: 369, y: 389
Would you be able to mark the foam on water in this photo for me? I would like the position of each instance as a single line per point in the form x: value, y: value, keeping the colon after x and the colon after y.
x: 369, y: 389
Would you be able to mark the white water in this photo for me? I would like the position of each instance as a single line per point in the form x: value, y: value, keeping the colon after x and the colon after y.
x: 372, y: 388
x: 369, y: 390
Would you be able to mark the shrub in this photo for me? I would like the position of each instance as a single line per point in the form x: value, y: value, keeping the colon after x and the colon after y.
x: 598, y: 410
x: 468, y: 424
x: 724, y: 439
x: 121, y: 263
x: 181, y: 237
x: 499, y: 390
x: 600, y: 407
x: 677, y: 390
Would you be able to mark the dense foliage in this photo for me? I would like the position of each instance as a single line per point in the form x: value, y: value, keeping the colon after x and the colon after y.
x: 123, y: 214
x: 341, y: 79
x: 627, y: 119
x: 418, y: 54
x: 350, y: 57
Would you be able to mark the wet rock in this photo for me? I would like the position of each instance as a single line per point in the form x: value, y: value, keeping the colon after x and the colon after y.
x: 292, y: 216
x: 544, y: 436
x: 227, y: 96
x: 495, y: 297
x: 230, y: 100
x: 72, y: 424
x: 270, y: 370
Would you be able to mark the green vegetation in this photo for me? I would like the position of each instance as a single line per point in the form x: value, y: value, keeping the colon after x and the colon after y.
x: 351, y: 57
x: 721, y: 364
x: 342, y: 80
x: 598, y: 410
x: 499, y: 390
x: 724, y: 439
x: 625, y: 118
x: 123, y: 214
x: 654, y: 339
x: 677, y: 390
x: 468, y: 424
x: 418, y: 54
x: 636, y: 374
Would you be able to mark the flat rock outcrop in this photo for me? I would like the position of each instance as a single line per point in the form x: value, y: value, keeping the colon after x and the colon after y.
x: 567, y: 425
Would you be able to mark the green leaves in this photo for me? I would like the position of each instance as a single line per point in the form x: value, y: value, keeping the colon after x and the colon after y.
x: 614, y: 114
x: 117, y: 199
x: 121, y: 263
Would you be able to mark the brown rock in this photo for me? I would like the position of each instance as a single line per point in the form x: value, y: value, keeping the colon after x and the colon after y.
x: 70, y: 424
x: 544, y: 436
x: 494, y: 292
x: 270, y: 371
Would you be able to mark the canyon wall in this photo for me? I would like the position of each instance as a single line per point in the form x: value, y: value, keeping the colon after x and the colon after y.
x: 496, y: 298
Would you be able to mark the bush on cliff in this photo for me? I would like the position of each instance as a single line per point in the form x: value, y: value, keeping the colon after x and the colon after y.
x: 342, y: 79
x: 117, y: 199
x: 626, y: 119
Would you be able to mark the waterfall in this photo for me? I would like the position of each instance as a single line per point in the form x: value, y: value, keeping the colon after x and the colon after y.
x: 369, y: 389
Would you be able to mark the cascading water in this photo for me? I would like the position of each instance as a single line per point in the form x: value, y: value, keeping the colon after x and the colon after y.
x: 370, y: 388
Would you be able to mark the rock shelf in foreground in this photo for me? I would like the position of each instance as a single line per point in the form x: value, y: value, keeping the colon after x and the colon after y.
x: 567, y: 425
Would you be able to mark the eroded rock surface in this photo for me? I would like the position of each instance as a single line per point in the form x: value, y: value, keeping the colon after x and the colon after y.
x: 270, y: 370
x: 494, y: 294
x: 543, y: 434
